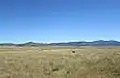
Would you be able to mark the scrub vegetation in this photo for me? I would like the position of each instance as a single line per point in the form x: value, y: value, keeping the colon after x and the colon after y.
x: 60, y: 62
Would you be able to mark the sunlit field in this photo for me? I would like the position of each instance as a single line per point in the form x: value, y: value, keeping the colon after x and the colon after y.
x: 60, y: 62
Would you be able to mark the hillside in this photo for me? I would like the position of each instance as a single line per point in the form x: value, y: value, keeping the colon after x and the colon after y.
x: 81, y: 43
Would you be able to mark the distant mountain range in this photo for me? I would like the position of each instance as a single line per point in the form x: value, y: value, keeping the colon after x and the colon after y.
x: 81, y: 43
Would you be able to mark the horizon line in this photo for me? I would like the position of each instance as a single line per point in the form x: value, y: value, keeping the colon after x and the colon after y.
x: 55, y: 42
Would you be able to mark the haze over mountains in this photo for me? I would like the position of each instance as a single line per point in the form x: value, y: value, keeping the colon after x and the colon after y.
x: 80, y: 43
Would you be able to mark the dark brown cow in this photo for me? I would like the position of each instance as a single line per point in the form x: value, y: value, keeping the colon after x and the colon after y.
x: 73, y: 51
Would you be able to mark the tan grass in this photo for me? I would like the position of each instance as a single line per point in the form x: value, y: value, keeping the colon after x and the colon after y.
x: 59, y: 62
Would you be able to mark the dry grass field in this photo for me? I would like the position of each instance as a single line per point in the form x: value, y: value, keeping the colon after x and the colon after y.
x: 59, y: 62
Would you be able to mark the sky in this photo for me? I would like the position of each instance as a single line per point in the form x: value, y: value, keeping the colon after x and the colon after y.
x: 59, y: 20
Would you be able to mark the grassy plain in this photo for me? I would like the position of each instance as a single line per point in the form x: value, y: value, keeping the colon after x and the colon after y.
x: 60, y: 62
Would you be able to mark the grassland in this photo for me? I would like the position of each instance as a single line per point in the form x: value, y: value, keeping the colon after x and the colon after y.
x: 59, y: 62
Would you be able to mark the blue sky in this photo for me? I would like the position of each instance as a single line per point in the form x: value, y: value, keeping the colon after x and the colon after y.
x: 59, y: 20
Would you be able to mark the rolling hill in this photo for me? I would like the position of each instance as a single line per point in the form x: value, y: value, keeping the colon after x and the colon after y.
x: 81, y: 43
